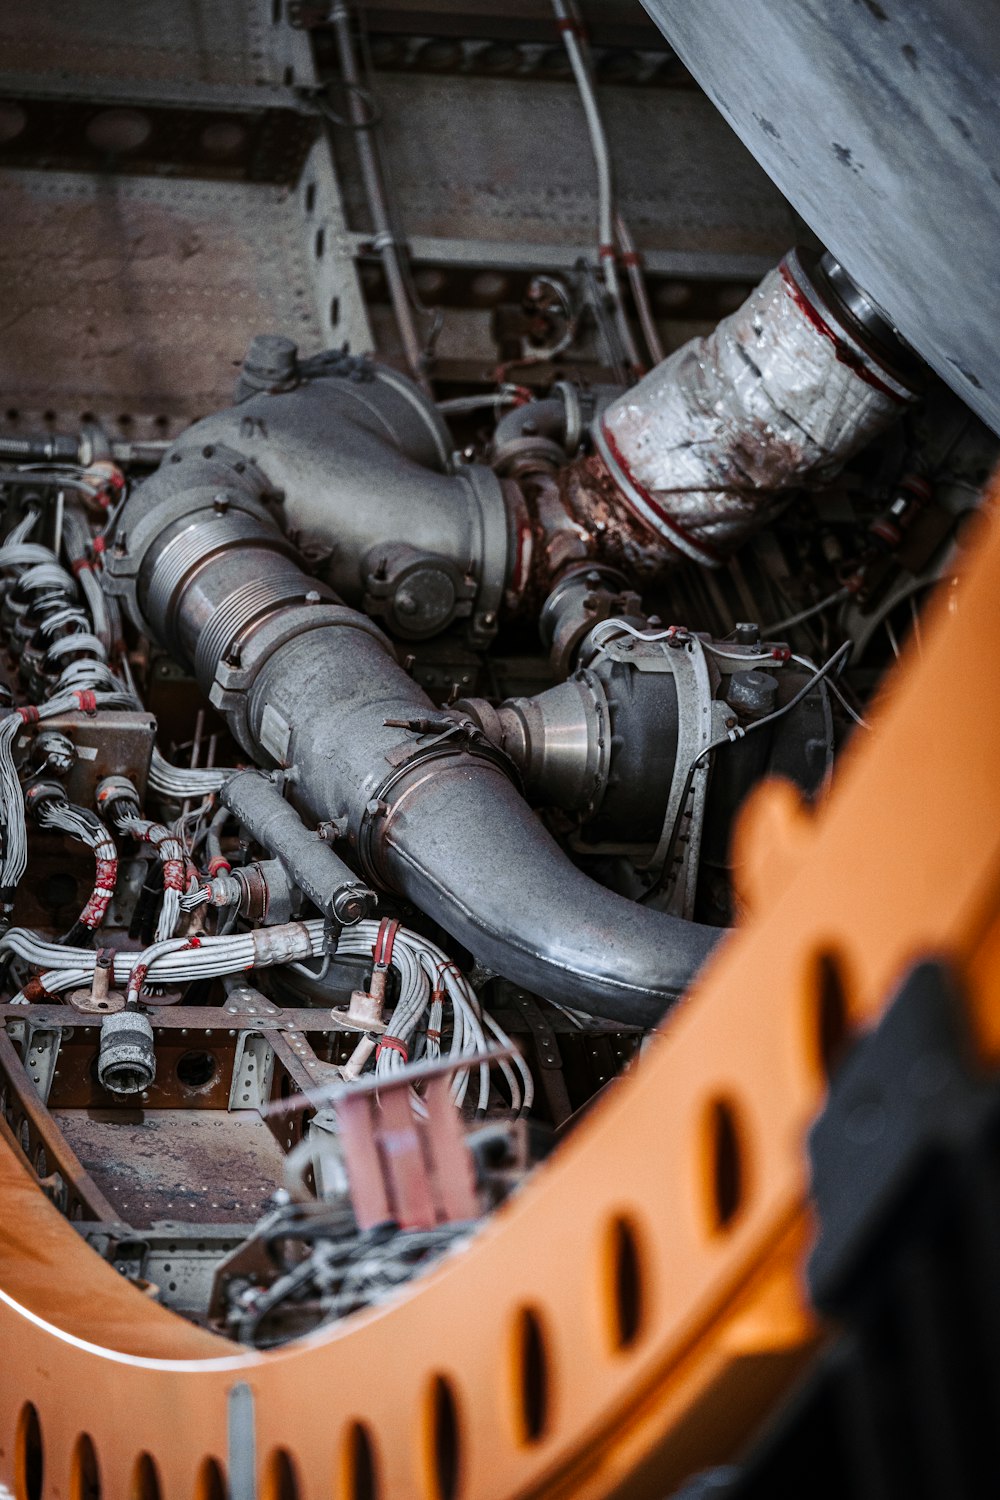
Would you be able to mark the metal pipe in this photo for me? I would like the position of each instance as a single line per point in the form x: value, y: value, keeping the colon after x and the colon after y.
x: 427, y: 804
x: 384, y: 240
x: 571, y: 30
x: 320, y: 874
x: 362, y: 461
x: 713, y: 442
x: 640, y: 294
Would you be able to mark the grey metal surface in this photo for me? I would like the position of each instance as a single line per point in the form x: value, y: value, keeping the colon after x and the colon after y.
x: 879, y: 122
x: 363, y: 462
x: 206, y: 51
x: 508, y: 160
x: 136, y: 298
x: 326, y: 880
x: 427, y: 810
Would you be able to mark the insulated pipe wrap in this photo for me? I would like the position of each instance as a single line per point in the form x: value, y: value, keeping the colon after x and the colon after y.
x: 711, y: 444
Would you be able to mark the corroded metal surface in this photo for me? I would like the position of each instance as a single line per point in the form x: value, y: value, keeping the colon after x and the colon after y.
x: 465, y: 160
x: 213, y: 50
x: 177, y: 1163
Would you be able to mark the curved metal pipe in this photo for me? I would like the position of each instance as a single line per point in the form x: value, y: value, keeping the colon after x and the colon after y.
x: 501, y: 885
x: 360, y: 464
x: 426, y: 803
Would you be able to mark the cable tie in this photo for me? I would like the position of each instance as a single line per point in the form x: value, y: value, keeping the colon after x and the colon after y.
x: 383, y: 945
x: 395, y: 1044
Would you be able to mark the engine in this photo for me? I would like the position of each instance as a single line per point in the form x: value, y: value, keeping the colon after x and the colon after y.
x: 370, y: 767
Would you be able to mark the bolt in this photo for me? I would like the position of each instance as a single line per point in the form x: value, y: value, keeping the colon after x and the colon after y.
x: 312, y: 597
x: 220, y: 503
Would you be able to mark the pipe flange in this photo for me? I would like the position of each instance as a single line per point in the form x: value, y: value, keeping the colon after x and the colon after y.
x: 231, y: 690
x: 465, y: 741
x: 214, y: 488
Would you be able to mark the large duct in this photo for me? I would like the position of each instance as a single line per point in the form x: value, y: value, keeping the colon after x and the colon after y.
x: 427, y: 806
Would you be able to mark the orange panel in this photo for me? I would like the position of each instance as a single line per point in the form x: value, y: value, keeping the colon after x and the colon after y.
x: 630, y: 1313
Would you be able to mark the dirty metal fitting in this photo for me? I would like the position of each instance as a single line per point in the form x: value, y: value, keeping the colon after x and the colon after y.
x: 602, y: 745
x: 262, y: 891
x: 126, y: 1062
x: 429, y: 812
x: 583, y: 597
x: 712, y: 443
x: 560, y: 740
x: 320, y: 874
x: 576, y: 518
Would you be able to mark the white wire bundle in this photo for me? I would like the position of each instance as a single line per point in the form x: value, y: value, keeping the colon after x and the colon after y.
x: 14, y: 855
x: 93, y: 630
x: 178, y: 961
x: 176, y: 783
x: 169, y: 851
x: 88, y: 829
x: 76, y: 538
x: 425, y: 971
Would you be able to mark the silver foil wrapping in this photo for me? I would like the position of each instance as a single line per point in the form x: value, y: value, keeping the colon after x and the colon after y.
x: 714, y: 441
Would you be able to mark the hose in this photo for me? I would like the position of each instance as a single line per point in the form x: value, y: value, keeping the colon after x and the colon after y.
x: 384, y: 240
x: 572, y: 32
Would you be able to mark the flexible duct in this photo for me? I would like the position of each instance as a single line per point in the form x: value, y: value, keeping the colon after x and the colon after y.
x: 714, y: 441
x: 427, y: 806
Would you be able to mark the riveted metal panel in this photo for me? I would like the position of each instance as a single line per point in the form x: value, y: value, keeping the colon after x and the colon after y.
x: 136, y: 297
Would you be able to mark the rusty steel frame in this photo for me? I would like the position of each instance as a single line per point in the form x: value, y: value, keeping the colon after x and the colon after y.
x: 631, y: 1313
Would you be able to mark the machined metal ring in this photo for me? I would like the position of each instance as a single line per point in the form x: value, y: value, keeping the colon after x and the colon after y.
x: 244, y: 607
x: 472, y: 745
x: 174, y: 565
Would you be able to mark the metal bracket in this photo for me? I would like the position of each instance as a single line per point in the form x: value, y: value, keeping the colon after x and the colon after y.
x: 41, y: 1054
x: 699, y: 721
x: 253, y: 1069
